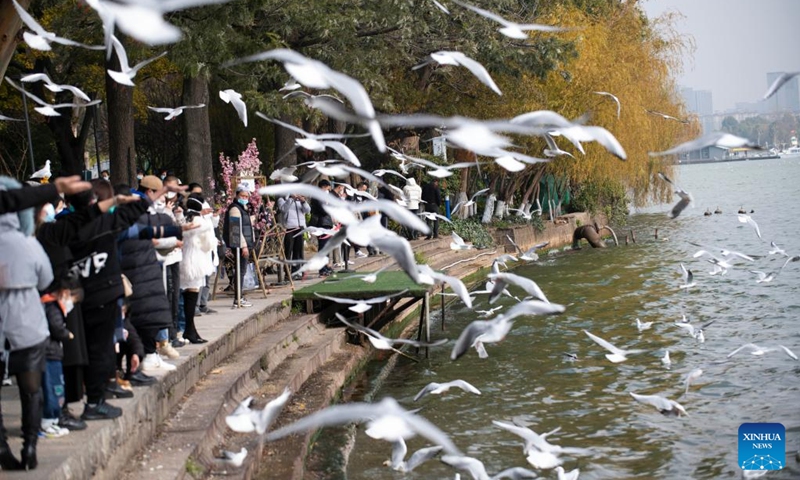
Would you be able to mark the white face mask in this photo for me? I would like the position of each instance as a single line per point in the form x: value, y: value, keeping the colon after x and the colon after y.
x: 159, y: 205
x: 139, y: 177
x: 171, y: 194
x: 68, y: 305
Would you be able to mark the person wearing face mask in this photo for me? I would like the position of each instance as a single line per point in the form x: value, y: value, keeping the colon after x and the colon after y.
x: 105, y: 176
x: 237, y: 219
x: 24, y: 271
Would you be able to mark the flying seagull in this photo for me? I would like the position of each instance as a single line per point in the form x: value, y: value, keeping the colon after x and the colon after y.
x: 174, y: 112
x: 446, y: 57
x: 434, y: 388
x: 749, y: 220
x: 386, y: 420
x: 502, y: 279
x: 511, y: 29
x: 477, y: 469
x: 470, y: 202
x: 694, y: 331
x: 39, y: 38
x: 530, y: 254
x: 234, y: 459
x: 553, y: 149
x: 458, y: 242
x: 399, y: 450
x: 720, y: 139
x: 617, y: 355
x: 667, y: 117
x: 48, y: 109
x: 454, y: 283
x: 54, y: 87
x: 384, y: 343
x: 126, y: 73
x: 235, y: 98
x: 245, y: 420
x: 613, y: 97
x: 779, y: 82
x: 686, y: 197
x: 361, y: 305
x: 3, y: 118
x: 540, y: 453
x: 777, y: 250
x: 758, y: 351
x: 665, y: 406
x: 588, y: 133
x: 764, y: 277
x: 690, y: 378
x: 688, y: 278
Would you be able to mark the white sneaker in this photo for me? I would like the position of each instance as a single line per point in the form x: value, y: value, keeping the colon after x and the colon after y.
x: 338, y: 265
x: 350, y: 262
x: 153, y: 361
x: 54, y: 431
x: 360, y: 254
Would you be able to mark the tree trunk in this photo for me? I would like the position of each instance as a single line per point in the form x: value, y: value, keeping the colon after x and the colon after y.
x: 489, y: 210
x: 285, y: 153
x: 197, y: 135
x: 10, y: 25
x: 70, y: 148
x: 121, y: 144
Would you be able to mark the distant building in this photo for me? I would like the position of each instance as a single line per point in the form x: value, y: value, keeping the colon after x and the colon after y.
x: 700, y: 103
x: 705, y: 155
x: 787, y: 99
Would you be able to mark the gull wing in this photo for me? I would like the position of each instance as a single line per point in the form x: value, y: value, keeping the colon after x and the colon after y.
x: 526, y: 284
x: 788, y: 352
x: 659, y: 402
x: 515, y: 473
x: 473, y: 66
x: 398, y: 248
x: 463, y: 385
x: 263, y: 419
x: 334, y: 415
x: 399, y: 450
x: 472, y: 465
x: 611, y: 348
x: 619, y: 105
x: 421, y: 456
x: 428, y: 430
x: 778, y: 83
x: 347, y: 301
x: 426, y: 390
x: 468, y: 336
x: 746, y: 345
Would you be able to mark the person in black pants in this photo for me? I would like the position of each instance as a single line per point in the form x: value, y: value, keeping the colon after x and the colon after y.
x: 432, y: 196
x: 292, y: 214
x: 320, y: 218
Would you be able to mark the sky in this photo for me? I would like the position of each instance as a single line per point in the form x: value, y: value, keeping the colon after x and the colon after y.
x: 737, y: 42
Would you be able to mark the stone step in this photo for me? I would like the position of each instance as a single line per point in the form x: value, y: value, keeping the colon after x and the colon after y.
x: 283, y: 356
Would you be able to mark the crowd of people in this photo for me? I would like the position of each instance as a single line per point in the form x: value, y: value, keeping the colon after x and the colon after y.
x: 100, y: 285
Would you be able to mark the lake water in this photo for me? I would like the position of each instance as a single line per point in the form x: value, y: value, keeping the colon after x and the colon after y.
x: 527, y: 380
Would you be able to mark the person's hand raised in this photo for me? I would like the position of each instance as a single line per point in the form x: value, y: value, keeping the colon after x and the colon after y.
x: 71, y: 185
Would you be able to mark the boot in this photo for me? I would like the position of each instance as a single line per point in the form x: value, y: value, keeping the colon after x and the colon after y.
x: 7, y: 459
x: 31, y: 422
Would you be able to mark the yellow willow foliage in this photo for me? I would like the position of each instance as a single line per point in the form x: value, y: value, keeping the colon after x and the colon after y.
x: 621, y: 55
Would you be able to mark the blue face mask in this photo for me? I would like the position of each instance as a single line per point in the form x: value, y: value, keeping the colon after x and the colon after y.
x: 50, y: 213
x: 243, y: 201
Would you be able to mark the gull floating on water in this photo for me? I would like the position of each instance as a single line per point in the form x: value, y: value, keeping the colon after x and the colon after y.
x: 511, y: 29
x: 756, y: 350
x: 688, y: 278
x: 642, y: 326
x: 386, y: 420
x: 694, y: 331
x: 719, y: 139
x: 571, y: 475
x: 617, y: 355
x: 127, y: 73
x: 434, y: 388
x: 665, y: 359
x: 245, y: 420
x: 664, y: 405
x: 686, y: 197
x: 399, y: 450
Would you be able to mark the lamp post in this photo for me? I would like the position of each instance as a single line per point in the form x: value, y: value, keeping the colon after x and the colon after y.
x: 28, y: 126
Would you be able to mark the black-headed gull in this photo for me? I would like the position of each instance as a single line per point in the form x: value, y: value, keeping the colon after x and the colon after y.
x: 642, y: 326
x: 779, y: 82
x: 749, y: 220
x: 39, y: 38
x: 758, y: 351
x: 511, y: 29
x: 363, y: 304
x: 244, y: 419
x: 664, y: 405
x: 174, y: 112
x: 127, y: 73
x: 720, y: 139
x: 502, y: 279
x: 613, y: 97
x: 399, y: 449
x: 686, y: 197
x: 690, y: 378
x: 667, y: 117
x: 688, y: 278
x: 234, y: 459
x: 617, y: 355
x: 54, y: 87
x: 385, y: 343
x: 386, y: 420
x: 434, y: 388
x: 448, y: 57
x: 235, y: 98
x: 469, y: 202
x: 47, y: 109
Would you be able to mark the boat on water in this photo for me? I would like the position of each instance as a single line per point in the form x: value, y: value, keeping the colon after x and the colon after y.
x: 792, y: 152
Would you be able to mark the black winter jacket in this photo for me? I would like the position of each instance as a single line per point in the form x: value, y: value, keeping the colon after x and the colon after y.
x: 149, y: 306
x: 58, y: 331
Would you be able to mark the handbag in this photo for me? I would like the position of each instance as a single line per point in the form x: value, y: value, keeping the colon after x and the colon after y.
x: 249, y: 282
